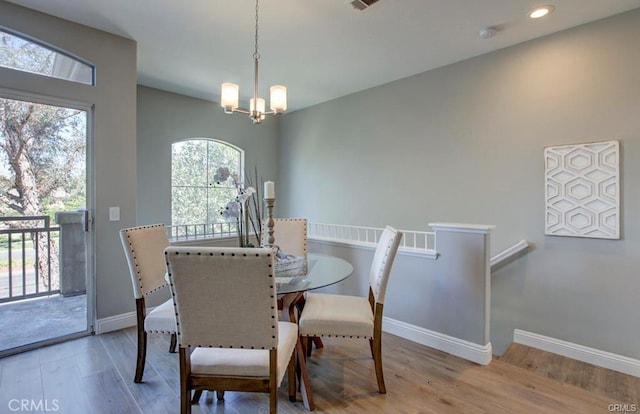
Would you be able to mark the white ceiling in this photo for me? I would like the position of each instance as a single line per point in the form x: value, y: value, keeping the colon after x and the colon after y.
x: 319, y: 49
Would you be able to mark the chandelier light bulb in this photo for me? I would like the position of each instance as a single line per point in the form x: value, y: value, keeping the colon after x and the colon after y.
x: 259, y: 111
x: 278, y: 98
x: 229, y: 96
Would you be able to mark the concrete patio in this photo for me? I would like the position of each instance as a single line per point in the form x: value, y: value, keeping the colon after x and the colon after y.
x: 34, y: 320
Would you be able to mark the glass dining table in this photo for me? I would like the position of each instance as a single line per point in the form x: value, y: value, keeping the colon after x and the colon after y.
x: 321, y: 270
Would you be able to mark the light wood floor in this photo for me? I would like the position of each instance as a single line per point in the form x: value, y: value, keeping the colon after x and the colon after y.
x: 610, y: 384
x: 95, y: 375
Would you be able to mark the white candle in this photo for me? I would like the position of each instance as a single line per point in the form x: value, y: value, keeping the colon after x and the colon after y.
x: 269, y: 190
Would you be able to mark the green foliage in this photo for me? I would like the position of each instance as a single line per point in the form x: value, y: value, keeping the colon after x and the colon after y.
x: 21, y: 54
x: 42, y: 150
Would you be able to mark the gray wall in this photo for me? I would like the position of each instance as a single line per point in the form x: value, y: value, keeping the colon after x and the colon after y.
x: 114, y: 97
x: 165, y: 117
x: 464, y: 143
x: 444, y: 295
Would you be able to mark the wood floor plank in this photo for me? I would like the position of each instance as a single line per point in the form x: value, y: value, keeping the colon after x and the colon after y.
x: 21, y: 380
x: 615, y: 386
x: 419, y: 380
x: 108, y: 393
x: 163, y: 362
x: 61, y: 384
x: 153, y: 395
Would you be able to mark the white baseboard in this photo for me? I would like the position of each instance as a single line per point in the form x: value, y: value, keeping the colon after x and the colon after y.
x: 582, y: 353
x: 116, y: 322
x: 480, y: 354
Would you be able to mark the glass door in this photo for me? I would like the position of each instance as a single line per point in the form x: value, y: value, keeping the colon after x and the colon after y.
x: 46, y: 294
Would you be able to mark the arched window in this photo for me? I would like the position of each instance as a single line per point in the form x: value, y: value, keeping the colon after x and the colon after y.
x: 19, y: 53
x: 196, y: 197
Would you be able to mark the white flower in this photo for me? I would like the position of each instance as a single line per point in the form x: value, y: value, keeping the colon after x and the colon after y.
x: 246, y: 194
x: 231, y: 210
x: 222, y: 173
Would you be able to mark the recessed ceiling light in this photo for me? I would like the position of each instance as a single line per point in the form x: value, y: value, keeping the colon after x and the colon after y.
x: 541, y: 11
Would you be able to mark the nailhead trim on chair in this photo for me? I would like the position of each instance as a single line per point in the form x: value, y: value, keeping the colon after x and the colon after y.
x: 135, y: 261
x: 176, y: 310
x: 292, y: 219
x: 376, y: 291
x: 339, y: 336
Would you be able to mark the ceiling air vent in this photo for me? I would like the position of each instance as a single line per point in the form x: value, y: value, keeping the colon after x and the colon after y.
x: 362, y: 5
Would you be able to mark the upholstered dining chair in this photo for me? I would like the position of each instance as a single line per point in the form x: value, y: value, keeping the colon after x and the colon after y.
x: 290, y: 235
x: 144, y: 249
x: 229, y: 335
x: 353, y: 316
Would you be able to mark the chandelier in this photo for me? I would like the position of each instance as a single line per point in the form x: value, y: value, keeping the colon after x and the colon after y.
x: 230, y: 92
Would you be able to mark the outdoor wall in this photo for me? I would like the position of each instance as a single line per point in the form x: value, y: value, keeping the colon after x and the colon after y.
x: 114, y: 127
x: 464, y: 143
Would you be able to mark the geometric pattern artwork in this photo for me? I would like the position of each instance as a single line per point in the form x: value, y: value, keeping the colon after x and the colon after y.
x: 582, y: 190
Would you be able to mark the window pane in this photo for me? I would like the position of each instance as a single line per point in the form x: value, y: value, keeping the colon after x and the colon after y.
x: 196, y: 196
x: 24, y: 55
x: 221, y: 155
x: 189, y: 163
x: 188, y: 205
x: 217, y: 203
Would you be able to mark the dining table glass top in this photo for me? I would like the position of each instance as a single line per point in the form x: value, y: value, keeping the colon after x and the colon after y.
x: 322, y: 270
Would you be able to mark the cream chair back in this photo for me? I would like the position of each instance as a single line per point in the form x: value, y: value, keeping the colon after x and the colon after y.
x: 144, y: 247
x: 290, y: 234
x: 382, y: 261
x: 224, y: 297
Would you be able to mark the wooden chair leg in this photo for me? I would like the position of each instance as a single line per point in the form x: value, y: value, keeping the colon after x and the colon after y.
x: 141, y: 356
x: 291, y: 377
x: 220, y: 395
x: 305, y: 385
x: 377, y: 359
x: 317, y: 341
x: 185, y: 390
x: 196, y: 396
x: 174, y: 343
x: 373, y: 355
x: 307, y: 345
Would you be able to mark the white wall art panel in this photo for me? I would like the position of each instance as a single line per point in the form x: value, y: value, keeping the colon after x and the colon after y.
x: 582, y: 190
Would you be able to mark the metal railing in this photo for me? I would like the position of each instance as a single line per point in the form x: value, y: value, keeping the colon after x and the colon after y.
x: 27, y: 272
x: 417, y: 241
x: 202, y: 231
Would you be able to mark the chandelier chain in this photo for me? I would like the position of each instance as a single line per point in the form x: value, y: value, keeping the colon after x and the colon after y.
x: 256, y: 54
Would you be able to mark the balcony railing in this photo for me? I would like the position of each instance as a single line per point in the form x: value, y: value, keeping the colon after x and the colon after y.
x: 201, y: 231
x: 28, y: 258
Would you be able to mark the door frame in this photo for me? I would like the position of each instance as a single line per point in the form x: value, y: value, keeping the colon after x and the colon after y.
x: 89, y: 206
